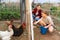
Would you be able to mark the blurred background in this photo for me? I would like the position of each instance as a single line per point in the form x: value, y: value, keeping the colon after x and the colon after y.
x: 53, y: 7
x: 11, y: 9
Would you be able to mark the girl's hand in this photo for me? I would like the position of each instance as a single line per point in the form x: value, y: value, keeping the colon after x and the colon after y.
x: 46, y: 27
x: 34, y: 23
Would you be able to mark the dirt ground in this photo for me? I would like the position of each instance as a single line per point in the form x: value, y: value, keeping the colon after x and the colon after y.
x: 49, y: 36
x: 22, y: 37
x: 37, y: 35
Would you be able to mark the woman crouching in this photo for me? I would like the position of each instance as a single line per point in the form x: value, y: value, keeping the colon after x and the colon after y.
x: 46, y: 23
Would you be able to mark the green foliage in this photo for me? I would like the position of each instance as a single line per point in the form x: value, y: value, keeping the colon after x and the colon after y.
x: 9, y: 12
x: 53, y: 10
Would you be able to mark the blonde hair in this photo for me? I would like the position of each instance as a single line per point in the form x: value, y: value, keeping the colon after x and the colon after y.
x: 46, y: 12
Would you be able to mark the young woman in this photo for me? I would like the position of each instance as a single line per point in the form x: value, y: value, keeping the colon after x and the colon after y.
x: 37, y: 12
x: 45, y: 22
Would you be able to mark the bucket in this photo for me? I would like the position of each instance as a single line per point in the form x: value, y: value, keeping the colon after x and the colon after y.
x: 43, y: 30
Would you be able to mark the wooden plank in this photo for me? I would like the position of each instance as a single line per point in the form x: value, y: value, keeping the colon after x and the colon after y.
x: 28, y: 20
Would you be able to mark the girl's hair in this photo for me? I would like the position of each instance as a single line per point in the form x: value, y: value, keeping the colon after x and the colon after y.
x: 46, y: 12
x: 38, y: 5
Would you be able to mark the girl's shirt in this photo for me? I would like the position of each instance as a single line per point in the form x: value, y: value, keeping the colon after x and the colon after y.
x: 37, y: 13
x: 48, y: 20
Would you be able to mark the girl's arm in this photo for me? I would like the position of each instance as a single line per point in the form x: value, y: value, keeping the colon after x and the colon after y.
x: 50, y: 22
x: 37, y: 21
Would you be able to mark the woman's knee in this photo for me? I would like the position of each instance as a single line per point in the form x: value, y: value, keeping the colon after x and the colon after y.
x: 51, y: 29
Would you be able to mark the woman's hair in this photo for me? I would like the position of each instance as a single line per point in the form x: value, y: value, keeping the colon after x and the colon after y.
x: 38, y: 5
x: 46, y: 12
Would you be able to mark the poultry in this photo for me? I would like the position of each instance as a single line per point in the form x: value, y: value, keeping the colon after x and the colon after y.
x: 6, y: 35
x: 18, y: 31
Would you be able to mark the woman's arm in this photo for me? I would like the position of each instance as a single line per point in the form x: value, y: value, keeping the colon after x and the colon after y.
x: 37, y: 21
x: 50, y: 22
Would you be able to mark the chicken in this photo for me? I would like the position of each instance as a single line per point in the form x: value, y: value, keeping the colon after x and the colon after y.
x: 6, y: 35
x: 17, y: 31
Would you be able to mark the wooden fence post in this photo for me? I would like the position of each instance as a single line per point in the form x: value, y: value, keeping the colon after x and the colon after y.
x: 28, y: 25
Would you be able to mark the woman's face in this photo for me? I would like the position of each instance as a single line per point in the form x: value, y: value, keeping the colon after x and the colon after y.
x: 38, y: 7
x: 43, y: 14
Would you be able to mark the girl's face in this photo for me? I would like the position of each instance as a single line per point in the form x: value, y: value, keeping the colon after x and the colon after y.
x: 43, y: 14
x: 38, y: 7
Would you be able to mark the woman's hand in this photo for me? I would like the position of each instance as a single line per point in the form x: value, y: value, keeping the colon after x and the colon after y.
x: 46, y: 27
x: 34, y: 23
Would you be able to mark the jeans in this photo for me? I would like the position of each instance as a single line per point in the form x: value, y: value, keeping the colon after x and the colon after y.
x: 35, y: 18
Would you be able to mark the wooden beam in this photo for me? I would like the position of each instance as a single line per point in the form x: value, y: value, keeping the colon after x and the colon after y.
x: 28, y: 20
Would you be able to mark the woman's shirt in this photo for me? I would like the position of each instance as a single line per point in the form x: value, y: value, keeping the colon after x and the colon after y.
x: 48, y: 20
x: 37, y: 13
